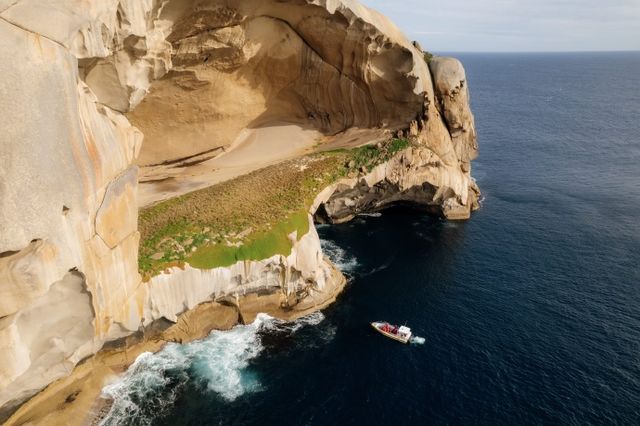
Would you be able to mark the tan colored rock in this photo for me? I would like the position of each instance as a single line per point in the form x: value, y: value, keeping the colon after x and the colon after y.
x: 26, y: 275
x: 38, y: 179
x: 114, y: 284
x: 452, y: 93
x: 414, y: 176
x: 71, y: 400
x: 45, y: 340
x: 170, y: 294
x: 60, y: 151
x: 107, y: 83
x: 117, y: 216
x: 157, y: 256
x: 195, y: 76
x: 251, y: 63
x: 13, y: 353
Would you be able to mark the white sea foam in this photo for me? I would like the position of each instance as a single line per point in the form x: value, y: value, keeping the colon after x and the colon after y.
x: 217, y: 363
x: 274, y: 324
x: 148, y: 380
x: 376, y: 214
x: 417, y: 340
x: 344, y: 261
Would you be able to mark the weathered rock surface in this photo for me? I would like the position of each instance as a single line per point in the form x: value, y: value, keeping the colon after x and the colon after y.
x: 323, y: 65
x: 434, y: 173
x: 60, y: 151
x: 452, y: 95
x: 26, y: 275
x: 413, y: 177
x: 75, y: 399
x: 299, y: 281
x: 191, y: 76
x: 117, y: 216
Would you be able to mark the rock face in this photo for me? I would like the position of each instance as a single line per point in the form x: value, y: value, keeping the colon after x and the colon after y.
x: 452, y: 95
x: 190, y: 76
x: 295, y: 283
x: 61, y: 150
x: 414, y: 177
x: 434, y: 173
x: 319, y: 64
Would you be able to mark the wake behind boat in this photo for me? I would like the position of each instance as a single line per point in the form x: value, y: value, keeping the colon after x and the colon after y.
x: 375, y: 214
x: 399, y: 333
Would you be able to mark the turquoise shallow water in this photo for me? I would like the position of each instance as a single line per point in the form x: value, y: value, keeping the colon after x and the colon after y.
x: 530, y: 311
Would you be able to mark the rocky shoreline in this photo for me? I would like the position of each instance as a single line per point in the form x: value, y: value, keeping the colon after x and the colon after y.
x: 65, y: 400
x: 215, y: 301
x: 198, y: 82
x: 76, y: 399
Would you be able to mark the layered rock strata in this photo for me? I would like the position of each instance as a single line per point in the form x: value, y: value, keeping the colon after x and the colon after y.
x: 191, y: 76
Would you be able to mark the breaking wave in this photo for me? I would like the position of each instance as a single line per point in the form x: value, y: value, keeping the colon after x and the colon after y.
x: 345, y: 262
x: 219, y: 364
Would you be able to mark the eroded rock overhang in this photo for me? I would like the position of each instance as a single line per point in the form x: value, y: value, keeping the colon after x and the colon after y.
x: 190, y: 75
x: 214, y: 68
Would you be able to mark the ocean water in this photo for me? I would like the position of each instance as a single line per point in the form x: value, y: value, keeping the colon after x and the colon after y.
x: 530, y: 311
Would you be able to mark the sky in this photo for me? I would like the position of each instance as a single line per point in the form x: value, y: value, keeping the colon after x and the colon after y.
x: 516, y: 25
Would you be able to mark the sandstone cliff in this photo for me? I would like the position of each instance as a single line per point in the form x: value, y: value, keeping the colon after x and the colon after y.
x: 191, y: 76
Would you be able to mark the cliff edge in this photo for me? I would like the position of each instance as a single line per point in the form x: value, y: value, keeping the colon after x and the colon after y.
x: 103, y: 100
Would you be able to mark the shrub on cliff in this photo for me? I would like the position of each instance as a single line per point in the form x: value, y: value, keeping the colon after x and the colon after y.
x: 369, y: 156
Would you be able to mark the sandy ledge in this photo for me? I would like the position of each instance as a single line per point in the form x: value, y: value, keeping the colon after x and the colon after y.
x: 254, y: 149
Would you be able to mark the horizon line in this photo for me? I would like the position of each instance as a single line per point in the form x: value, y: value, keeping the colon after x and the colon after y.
x: 536, y: 51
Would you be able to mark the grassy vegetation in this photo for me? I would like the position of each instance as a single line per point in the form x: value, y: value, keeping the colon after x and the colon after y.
x: 397, y: 144
x: 365, y: 158
x: 250, y: 217
x: 246, y: 218
x: 427, y: 56
x: 260, y: 245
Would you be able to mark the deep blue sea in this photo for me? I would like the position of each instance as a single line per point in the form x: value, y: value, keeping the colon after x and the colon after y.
x: 530, y: 311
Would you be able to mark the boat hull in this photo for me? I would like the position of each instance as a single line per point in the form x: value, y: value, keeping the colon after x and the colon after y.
x: 402, y: 339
